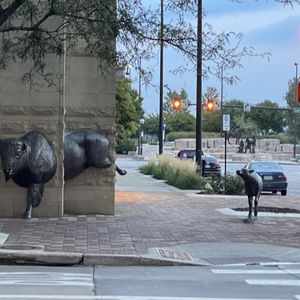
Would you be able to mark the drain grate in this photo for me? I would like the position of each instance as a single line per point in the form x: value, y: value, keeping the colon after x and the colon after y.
x: 237, y: 260
x: 174, y: 254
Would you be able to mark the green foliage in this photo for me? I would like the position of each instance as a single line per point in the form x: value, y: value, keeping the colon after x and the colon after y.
x: 129, y: 109
x: 284, y: 138
x: 125, y: 146
x: 234, y: 184
x: 172, y: 136
x: 290, y: 96
x: 267, y: 120
x: 151, y: 124
x: 178, y: 120
x: 292, y: 120
x: 211, y: 121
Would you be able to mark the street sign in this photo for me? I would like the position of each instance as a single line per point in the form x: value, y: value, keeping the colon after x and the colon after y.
x: 247, y: 107
x: 296, y: 109
x: 226, y: 122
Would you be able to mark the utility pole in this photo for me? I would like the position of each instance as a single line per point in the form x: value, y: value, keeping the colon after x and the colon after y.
x: 296, y: 104
x: 161, y: 83
x: 199, y: 90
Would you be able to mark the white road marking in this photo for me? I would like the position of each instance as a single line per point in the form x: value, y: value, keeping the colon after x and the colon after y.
x: 239, y: 271
x: 112, y: 297
x: 281, y: 282
x: 46, y: 278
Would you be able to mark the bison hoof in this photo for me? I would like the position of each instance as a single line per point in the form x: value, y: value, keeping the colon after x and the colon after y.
x: 27, y: 215
x: 248, y: 220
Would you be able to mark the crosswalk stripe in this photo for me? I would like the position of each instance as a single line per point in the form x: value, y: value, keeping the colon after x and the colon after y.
x: 282, y: 282
x: 112, y: 297
x: 46, y: 278
x: 256, y: 271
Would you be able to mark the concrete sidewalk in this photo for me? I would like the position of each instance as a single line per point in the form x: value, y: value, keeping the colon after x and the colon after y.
x: 157, y: 224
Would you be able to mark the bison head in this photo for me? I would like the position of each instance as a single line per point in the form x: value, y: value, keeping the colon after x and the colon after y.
x: 12, y: 153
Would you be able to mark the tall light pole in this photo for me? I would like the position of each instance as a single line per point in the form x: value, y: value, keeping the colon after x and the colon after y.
x: 296, y: 103
x: 161, y: 83
x: 199, y: 89
x: 140, y: 94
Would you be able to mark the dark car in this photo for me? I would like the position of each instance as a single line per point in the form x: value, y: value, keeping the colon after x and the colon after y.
x: 272, y: 175
x: 211, y: 164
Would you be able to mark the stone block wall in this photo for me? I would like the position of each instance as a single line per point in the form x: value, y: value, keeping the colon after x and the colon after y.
x: 25, y: 107
x: 90, y: 103
x: 82, y: 98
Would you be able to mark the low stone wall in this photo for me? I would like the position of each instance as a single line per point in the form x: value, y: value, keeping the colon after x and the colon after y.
x: 216, y: 145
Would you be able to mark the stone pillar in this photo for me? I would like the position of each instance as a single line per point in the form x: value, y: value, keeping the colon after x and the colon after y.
x: 25, y: 107
x: 82, y: 98
x: 90, y: 103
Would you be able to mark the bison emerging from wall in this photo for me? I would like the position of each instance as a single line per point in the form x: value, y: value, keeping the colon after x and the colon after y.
x: 253, y: 188
x: 30, y: 160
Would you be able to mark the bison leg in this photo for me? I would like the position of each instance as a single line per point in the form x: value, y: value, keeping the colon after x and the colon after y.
x: 255, y: 207
x: 249, y: 219
x: 34, y: 197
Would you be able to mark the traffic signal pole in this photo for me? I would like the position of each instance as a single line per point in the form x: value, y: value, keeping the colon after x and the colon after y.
x: 161, y: 83
x: 199, y: 90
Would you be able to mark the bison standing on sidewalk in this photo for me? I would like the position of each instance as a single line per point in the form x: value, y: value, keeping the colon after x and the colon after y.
x: 253, y: 188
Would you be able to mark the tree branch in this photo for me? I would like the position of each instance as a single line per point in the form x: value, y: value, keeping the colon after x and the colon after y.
x: 6, y: 13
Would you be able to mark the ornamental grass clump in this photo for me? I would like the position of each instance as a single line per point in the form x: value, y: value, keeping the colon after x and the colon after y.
x: 179, y: 173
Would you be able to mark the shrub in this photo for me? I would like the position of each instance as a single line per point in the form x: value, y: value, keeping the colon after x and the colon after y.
x: 172, y: 136
x: 234, y: 184
x: 181, y: 174
x: 284, y: 138
x: 125, y: 146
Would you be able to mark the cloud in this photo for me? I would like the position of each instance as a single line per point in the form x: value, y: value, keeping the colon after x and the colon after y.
x: 248, y: 22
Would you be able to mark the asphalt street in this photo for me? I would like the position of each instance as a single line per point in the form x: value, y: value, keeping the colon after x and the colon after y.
x: 248, y: 282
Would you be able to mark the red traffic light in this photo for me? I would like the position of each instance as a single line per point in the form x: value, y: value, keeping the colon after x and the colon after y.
x: 210, y: 105
x: 298, y: 92
x: 176, y: 103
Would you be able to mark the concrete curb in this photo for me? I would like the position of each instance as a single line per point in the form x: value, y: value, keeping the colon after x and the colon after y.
x: 132, y: 260
x: 49, y: 258
x: 39, y: 257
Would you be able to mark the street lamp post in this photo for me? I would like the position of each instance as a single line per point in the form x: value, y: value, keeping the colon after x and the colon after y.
x: 142, y: 121
x: 296, y: 103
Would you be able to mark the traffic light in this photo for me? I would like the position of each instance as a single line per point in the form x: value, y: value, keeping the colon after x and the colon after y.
x: 298, y: 92
x: 210, y: 105
x: 176, y: 103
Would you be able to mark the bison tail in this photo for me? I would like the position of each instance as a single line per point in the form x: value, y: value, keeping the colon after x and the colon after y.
x: 121, y: 171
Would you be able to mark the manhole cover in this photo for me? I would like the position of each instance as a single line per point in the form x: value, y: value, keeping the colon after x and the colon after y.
x: 174, y: 254
x: 271, y: 209
x: 238, y: 260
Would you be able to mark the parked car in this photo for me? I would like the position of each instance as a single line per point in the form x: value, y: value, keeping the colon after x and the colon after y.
x: 272, y: 175
x: 211, y: 164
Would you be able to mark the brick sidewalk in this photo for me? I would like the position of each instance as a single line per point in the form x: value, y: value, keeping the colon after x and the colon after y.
x: 145, y: 220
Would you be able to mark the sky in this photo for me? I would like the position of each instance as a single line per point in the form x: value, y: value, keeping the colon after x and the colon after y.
x: 268, y: 27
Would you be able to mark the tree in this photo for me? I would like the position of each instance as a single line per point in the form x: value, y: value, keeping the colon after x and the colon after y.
x: 211, y: 121
x: 151, y: 124
x: 178, y: 120
x: 292, y: 119
x: 268, y: 121
x: 30, y: 29
x: 129, y: 110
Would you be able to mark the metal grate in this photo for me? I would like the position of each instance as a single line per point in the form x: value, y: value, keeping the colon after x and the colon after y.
x: 174, y: 254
